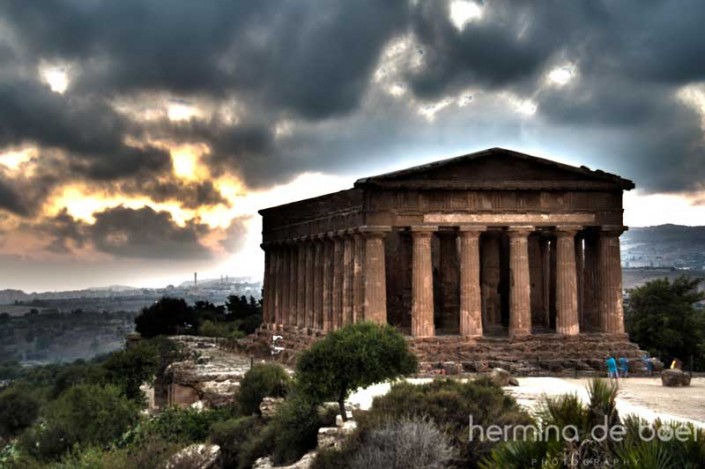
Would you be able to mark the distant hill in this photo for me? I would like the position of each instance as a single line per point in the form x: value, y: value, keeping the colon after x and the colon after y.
x: 664, y: 246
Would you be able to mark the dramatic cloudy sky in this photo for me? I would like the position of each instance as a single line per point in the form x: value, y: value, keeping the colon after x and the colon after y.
x: 138, y: 138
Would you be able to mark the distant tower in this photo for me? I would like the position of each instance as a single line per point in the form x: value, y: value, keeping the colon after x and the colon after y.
x: 195, y: 279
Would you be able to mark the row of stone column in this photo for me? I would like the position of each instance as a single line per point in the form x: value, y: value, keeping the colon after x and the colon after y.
x: 326, y: 281
x: 607, y: 270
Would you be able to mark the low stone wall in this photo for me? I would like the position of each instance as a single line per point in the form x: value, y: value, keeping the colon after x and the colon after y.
x: 535, y: 355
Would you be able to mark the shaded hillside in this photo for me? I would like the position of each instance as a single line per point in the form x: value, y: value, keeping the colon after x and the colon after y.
x: 681, y: 247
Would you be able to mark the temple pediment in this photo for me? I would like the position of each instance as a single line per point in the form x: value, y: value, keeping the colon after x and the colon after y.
x: 497, y: 168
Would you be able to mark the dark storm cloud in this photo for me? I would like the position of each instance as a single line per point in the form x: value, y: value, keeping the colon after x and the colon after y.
x: 310, y: 61
x: 309, y: 56
x: 147, y: 234
x: 88, y: 129
x: 187, y: 194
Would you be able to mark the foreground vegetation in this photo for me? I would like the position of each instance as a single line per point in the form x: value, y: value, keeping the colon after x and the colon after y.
x: 90, y: 415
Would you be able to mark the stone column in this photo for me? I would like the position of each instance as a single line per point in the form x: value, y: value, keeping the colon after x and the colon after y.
x: 358, y: 278
x: 301, y: 287
x: 290, y: 319
x: 284, y: 284
x: 278, y: 282
x: 566, y: 282
x: 348, y: 266
x: 591, y: 285
x: 327, y: 283
x: 318, y: 284
x: 545, y: 245
x: 448, y: 287
x: 267, y: 286
x: 470, y: 288
x: 580, y: 272
x: 337, y: 318
x: 308, y: 301
x: 610, y: 281
x: 519, y: 287
x: 375, y: 274
x: 422, y: 282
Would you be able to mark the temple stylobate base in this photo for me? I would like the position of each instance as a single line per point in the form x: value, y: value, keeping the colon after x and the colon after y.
x: 532, y: 355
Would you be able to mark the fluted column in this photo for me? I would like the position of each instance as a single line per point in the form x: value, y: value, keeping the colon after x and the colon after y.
x: 610, y: 281
x: 278, y: 282
x: 358, y: 279
x: 375, y: 274
x: 591, y: 290
x: 267, y: 286
x: 308, y: 301
x: 348, y: 266
x: 327, y: 283
x: 519, y: 287
x: 422, y: 282
x: 301, y: 287
x: 290, y: 318
x: 470, y: 288
x: 318, y: 284
x: 566, y: 282
x: 337, y: 314
x: 283, y: 285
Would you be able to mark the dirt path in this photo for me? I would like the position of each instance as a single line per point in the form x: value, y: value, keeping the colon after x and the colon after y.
x: 643, y: 396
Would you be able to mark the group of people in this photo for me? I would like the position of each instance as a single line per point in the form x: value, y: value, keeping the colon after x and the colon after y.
x: 617, y: 368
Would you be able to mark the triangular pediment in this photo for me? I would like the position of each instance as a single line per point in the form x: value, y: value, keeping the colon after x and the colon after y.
x: 500, y: 168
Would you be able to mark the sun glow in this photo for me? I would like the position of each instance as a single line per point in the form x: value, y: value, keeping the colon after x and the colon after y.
x: 186, y: 161
x: 463, y: 12
x: 15, y: 159
x: 56, y: 77
x: 181, y: 111
x: 560, y: 76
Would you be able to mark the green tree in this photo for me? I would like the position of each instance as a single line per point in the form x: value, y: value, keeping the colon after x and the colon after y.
x: 19, y: 408
x: 662, y: 317
x: 168, y: 316
x: 355, y: 356
x: 83, y: 416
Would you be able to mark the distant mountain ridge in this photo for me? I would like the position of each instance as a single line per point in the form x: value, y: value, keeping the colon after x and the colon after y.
x: 676, y: 246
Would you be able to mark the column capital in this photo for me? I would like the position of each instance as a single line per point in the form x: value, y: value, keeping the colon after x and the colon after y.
x: 520, y: 231
x: 372, y: 231
x: 612, y: 230
x: 375, y: 228
x: 422, y: 231
x: 566, y: 230
x: 472, y: 229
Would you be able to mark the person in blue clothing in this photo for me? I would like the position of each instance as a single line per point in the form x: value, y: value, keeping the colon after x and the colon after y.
x: 611, y: 368
x: 623, y: 367
x: 648, y: 363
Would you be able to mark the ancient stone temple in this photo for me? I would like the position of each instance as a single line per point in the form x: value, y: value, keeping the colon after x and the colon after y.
x: 488, y: 248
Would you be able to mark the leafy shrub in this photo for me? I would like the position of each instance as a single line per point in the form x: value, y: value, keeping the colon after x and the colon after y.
x: 449, y: 404
x: 262, y: 380
x: 184, y: 426
x: 404, y: 444
x: 295, y: 427
x: 232, y: 434
x: 19, y: 409
x: 261, y: 444
x: 84, y: 415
